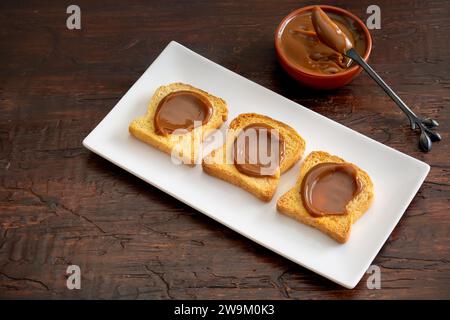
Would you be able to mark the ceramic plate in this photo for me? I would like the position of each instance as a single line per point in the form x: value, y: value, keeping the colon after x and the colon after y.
x: 396, y: 176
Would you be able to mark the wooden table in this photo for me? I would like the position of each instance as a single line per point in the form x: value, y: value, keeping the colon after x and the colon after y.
x: 61, y: 204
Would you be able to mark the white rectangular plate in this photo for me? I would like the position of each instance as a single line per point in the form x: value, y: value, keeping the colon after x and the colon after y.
x: 396, y: 176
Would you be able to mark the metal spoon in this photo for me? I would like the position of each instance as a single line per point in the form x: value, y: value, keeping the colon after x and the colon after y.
x: 425, y: 125
x: 330, y: 34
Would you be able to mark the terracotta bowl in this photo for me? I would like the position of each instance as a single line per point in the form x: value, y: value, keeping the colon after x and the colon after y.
x: 309, y: 77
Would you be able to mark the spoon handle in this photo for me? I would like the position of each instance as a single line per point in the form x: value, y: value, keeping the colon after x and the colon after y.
x: 356, y: 57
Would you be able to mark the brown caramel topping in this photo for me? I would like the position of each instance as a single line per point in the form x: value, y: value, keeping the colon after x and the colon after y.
x: 329, y: 33
x: 252, y: 156
x: 327, y: 188
x: 302, y: 45
x: 179, y: 110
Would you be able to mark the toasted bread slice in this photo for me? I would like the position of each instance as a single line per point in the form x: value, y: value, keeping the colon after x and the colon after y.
x: 184, y: 146
x: 337, y: 227
x: 216, y: 163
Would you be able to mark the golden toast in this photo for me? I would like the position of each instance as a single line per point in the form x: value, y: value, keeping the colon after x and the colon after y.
x: 185, y: 146
x: 264, y: 187
x: 336, y: 226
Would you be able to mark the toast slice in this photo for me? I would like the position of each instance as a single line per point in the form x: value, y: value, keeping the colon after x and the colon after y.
x: 337, y: 227
x: 217, y: 163
x: 185, y: 147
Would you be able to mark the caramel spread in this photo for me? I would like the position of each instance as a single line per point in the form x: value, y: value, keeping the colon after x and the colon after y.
x: 302, y: 46
x: 253, y: 147
x: 329, y: 33
x: 327, y: 188
x: 180, y: 110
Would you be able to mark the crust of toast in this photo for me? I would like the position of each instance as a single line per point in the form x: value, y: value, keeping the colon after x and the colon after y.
x: 183, y: 146
x: 216, y: 164
x: 337, y: 227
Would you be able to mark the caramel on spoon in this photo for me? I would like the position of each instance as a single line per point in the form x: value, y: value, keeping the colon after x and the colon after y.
x: 329, y: 33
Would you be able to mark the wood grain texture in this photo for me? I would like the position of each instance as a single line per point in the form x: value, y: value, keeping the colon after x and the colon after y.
x: 60, y: 204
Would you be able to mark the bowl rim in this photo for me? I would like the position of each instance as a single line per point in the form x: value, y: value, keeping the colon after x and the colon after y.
x: 308, y: 72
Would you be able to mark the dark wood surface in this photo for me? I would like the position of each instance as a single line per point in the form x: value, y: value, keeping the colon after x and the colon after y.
x: 61, y: 204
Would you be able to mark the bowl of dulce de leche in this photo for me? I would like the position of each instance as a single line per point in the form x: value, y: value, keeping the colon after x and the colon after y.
x: 308, y: 60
